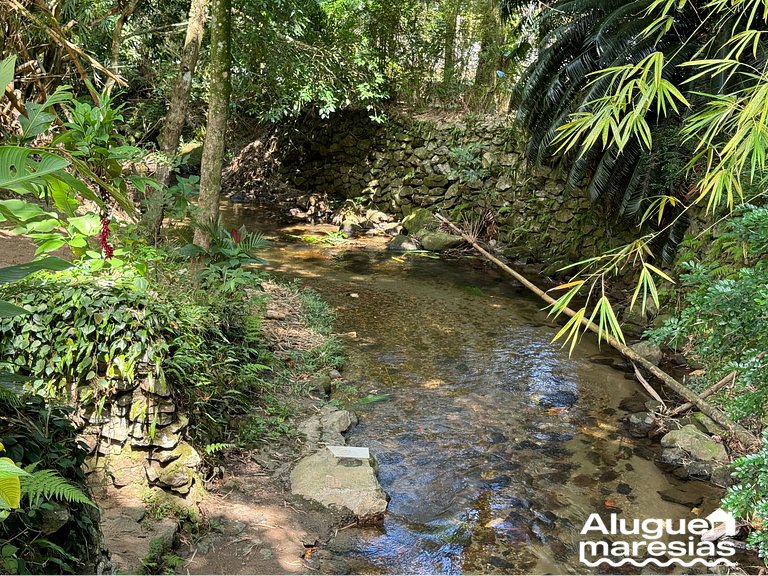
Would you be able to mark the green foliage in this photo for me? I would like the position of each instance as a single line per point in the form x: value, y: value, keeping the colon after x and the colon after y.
x: 39, y: 436
x: 300, y: 54
x: 87, y: 145
x: 85, y: 333
x: 49, y: 485
x: 229, y: 248
x: 14, y: 273
x: 724, y: 313
x: 160, y: 560
x: 95, y: 332
x: 748, y: 499
x: 331, y: 238
x: 469, y: 162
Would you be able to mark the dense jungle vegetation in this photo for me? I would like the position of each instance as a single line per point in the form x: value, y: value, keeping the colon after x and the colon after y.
x: 658, y: 109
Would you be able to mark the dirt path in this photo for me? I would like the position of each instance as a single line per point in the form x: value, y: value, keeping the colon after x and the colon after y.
x: 257, y: 527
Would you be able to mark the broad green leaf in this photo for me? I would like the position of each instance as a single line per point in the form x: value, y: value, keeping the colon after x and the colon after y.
x: 8, y: 469
x: 191, y: 250
x: 50, y: 245
x: 87, y: 225
x: 63, y: 197
x: 7, y: 70
x: 19, y: 271
x: 8, y: 310
x: 39, y: 118
x: 10, y: 492
x: 22, y: 167
x: 21, y: 211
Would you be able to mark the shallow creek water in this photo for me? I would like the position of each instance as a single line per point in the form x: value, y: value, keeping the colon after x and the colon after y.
x: 492, y: 443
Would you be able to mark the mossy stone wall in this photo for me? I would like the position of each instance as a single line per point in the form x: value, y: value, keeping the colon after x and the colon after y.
x: 454, y: 167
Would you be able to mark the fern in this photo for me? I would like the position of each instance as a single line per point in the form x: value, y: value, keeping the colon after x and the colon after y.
x: 50, y: 485
x: 217, y: 447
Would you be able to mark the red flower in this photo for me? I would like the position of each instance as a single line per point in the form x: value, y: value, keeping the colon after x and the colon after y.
x: 235, y: 235
x: 103, y: 239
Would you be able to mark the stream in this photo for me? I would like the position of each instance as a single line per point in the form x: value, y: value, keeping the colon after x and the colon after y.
x: 494, y: 445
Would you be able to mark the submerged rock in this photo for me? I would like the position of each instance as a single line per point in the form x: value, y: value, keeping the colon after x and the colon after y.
x: 402, y: 243
x: 682, y: 497
x: 340, y: 482
x: 640, y: 424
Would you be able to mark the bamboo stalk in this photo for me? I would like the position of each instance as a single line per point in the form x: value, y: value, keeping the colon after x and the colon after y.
x: 748, y: 439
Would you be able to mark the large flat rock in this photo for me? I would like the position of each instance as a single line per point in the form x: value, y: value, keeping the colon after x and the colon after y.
x: 699, y: 445
x: 341, y: 482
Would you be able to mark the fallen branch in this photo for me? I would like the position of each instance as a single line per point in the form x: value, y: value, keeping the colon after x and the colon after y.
x: 748, y: 439
x: 730, y: 379
x: 648, y: 387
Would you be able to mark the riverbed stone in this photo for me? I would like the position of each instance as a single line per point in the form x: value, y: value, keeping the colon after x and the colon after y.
x: 338, y: 420
x: 641, y: 423
x: 681, y: 496
x: 420, y: 220
x: 439, y: 241
x: 53, y: 517
x: 708, y: 425
x: 648, y: 350
x: 697, y: 444
x: 402, y: 243
x: 328, y: 480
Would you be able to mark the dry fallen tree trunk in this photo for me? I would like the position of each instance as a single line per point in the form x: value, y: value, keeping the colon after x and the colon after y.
x: 744, y: 436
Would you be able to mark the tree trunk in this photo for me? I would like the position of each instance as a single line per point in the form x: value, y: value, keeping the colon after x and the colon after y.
x: 170, y: 134
x: 218, y: 105
x: 486, y: 60
x: 449, y: 46
x: 117, y: 35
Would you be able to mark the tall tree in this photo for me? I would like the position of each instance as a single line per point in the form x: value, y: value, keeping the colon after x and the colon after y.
x: 170, y: 134
x: 117, y: 36
x: 449, y: 43
x: 218, y: 107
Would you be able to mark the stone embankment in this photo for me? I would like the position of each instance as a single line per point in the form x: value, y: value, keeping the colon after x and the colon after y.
x: 464, y: 168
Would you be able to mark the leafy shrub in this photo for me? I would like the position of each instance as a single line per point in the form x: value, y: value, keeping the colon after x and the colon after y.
x: 40, y: 437
x: 86, y: 333
x: 93, y: 333
x: 748, y: 500
x: 722, y: 322
x: 469, y: 162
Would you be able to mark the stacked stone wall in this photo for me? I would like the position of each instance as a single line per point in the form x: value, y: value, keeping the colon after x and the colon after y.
x: 455, y: 167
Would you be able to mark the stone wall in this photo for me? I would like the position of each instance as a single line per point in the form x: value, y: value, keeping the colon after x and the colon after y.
x: 135, y: 434
x: 453, y: 167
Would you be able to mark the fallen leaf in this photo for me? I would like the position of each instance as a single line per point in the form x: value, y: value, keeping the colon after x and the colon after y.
x: 495, y: 522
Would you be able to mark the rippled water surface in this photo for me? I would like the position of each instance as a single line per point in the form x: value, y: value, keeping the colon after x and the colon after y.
x: 493, y: 444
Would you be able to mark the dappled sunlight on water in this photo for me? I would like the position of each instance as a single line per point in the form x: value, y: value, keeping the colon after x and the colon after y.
x: 493, y: 444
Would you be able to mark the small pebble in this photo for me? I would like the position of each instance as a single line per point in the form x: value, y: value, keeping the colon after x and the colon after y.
x: 624, y: 488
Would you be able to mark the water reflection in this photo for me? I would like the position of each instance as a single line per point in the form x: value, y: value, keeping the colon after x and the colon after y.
x: 493, y: 444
